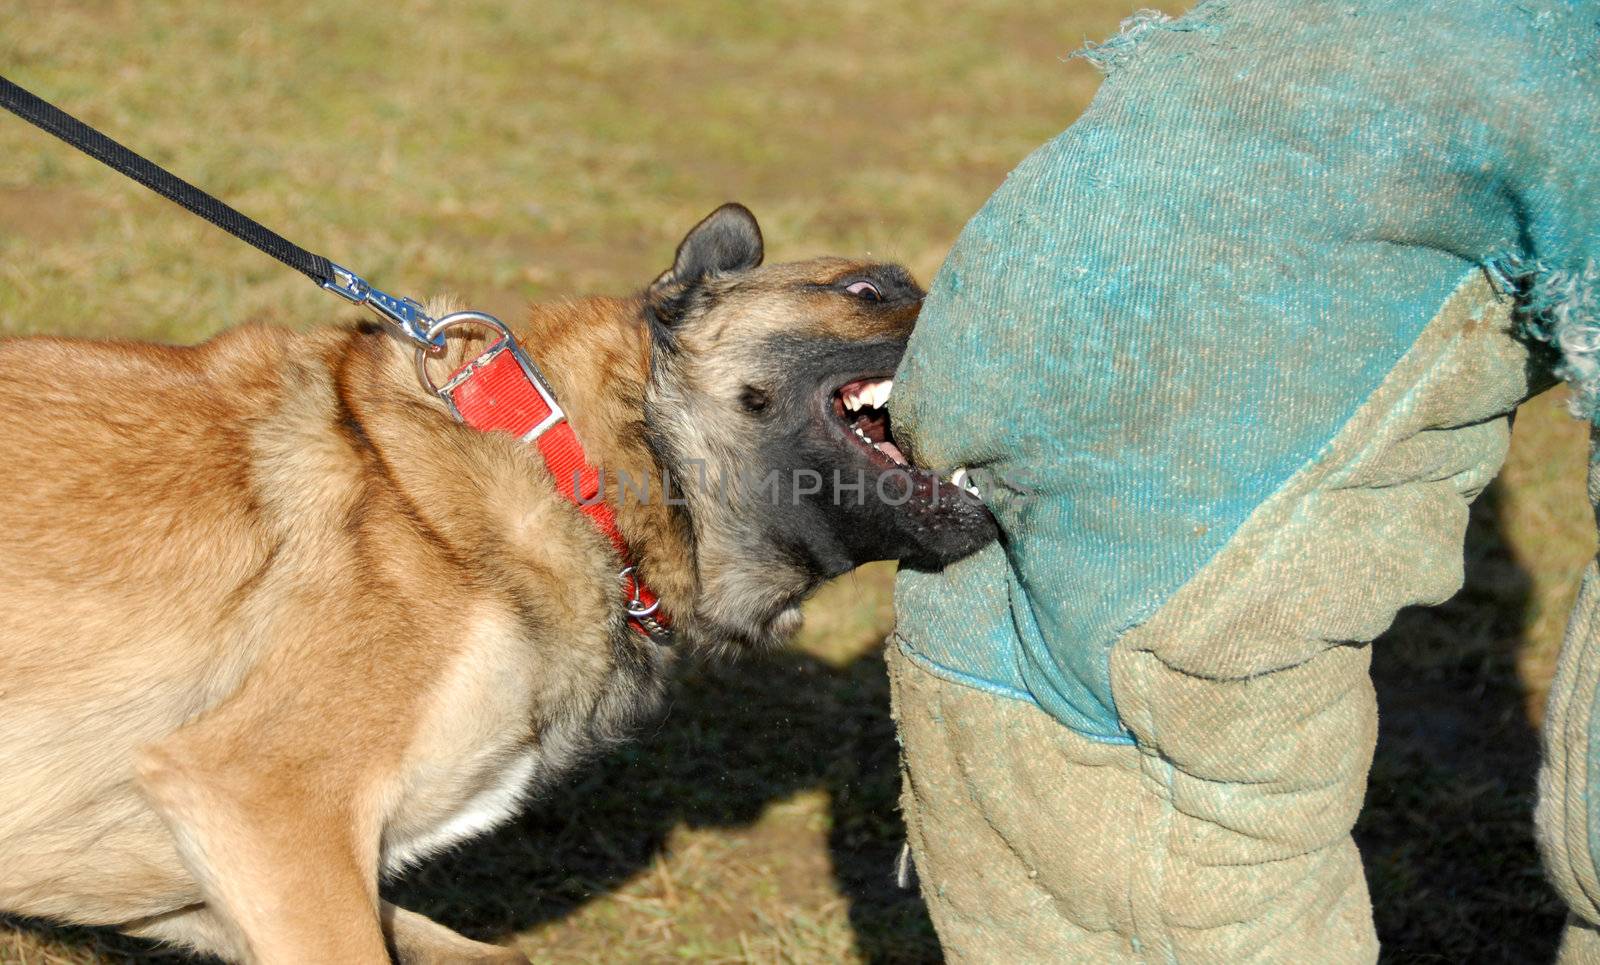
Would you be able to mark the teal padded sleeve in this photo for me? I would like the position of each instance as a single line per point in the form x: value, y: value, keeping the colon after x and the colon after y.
x: 1171, y: 308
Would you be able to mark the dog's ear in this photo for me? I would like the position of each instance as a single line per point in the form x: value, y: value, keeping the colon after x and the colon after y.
x: 727, y: 240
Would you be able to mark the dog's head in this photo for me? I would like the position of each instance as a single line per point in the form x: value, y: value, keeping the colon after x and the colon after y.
x: 766, y: 404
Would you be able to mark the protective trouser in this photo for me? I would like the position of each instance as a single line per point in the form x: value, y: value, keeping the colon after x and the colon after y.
x: 1229, y: 359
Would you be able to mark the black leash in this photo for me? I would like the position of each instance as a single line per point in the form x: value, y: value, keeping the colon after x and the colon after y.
x: 403, y: 312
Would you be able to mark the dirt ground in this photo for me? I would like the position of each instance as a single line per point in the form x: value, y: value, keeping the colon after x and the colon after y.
x: 516, y: 151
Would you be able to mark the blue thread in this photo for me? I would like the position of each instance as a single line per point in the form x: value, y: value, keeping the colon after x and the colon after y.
x: 1560, y: 307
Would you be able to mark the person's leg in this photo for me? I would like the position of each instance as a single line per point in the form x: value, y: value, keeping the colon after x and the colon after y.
x: 1228, y: 363
x: 1567, y: 821
x: 1221, y: 831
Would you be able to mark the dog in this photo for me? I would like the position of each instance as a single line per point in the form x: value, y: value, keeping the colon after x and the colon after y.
x: 275, y: 624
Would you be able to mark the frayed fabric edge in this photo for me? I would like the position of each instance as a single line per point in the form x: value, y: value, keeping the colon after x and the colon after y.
x: 1111, y: 54
x: 1560, y: 307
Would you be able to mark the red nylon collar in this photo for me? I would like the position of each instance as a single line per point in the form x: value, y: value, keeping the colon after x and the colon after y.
x: 502, y: 391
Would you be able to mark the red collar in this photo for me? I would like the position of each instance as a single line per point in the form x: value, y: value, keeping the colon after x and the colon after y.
x: 502, y: 390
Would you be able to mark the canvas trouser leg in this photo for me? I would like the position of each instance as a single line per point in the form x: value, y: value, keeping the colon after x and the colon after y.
x: 1566, y: 819
x: 1222, y: 833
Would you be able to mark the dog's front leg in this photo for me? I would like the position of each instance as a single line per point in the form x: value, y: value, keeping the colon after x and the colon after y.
x: 269, y: 798
x: 280, y: 865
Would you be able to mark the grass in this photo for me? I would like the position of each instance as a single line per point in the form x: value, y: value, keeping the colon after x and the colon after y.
x: 511, y: 152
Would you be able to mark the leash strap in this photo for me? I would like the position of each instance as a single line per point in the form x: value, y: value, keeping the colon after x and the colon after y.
x: 53, y: 120
x: 402, y: 312
x: 499, y: 391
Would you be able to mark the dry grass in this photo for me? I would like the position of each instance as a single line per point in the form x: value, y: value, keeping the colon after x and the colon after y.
x: 511, y: 152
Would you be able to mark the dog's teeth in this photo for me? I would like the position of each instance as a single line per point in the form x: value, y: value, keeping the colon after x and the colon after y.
x: 866, y: 395
x: 959, y: 480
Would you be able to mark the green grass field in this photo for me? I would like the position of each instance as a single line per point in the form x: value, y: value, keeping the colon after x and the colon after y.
x: 511, y: 152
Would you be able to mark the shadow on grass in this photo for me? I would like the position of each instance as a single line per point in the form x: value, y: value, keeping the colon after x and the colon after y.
x: 1447, y: 832
x: 737, y: 738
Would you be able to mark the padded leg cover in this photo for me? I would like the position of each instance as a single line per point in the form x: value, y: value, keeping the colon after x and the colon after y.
x: 1567, y: 819
x: 1222, y: 832
x: 1228, y: 357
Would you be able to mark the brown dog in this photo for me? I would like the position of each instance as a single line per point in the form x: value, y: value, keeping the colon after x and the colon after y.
x: 274, y: 624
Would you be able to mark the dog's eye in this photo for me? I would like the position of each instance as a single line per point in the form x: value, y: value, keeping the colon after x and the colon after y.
x: 865, y: 289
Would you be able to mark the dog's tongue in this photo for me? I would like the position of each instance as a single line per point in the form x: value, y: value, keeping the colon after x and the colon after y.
x: 892, y: 451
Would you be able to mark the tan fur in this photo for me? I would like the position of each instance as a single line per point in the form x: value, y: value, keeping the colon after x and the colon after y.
x: 274, y: 624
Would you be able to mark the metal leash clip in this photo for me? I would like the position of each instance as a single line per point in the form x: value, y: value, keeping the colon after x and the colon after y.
x: 428, y: 335
x: 405, y: 313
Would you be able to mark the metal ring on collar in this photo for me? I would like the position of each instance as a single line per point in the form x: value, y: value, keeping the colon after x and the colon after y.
x: 634, y: 609
x: 437, y: 330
